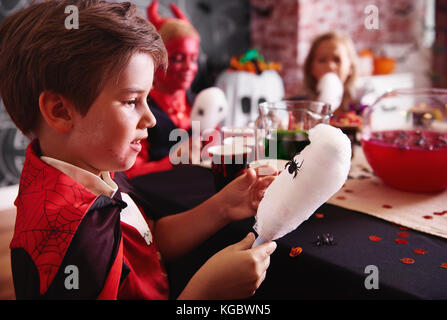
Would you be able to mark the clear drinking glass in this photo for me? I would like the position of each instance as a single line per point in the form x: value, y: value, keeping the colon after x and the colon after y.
x: 281, y: 128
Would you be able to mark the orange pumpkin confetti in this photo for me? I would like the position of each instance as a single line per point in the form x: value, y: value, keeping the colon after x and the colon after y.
x: 295, y: 251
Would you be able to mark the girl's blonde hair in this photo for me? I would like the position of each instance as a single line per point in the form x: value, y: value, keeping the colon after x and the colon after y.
x: 309, y: 80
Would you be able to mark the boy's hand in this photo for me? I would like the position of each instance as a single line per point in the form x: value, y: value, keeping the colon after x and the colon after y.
x: 241, y: 197
x: 235, y: 272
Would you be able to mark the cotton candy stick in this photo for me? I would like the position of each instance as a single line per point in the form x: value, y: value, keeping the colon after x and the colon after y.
x: 290, y: 201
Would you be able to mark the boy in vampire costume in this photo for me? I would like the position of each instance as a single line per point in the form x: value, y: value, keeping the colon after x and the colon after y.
x: 81, y: 232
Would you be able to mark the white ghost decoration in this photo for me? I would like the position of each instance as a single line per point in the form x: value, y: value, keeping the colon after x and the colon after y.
x: 245, y: 90
x: 321, y: 169
x: 330, y: 90
x: 210, y: 108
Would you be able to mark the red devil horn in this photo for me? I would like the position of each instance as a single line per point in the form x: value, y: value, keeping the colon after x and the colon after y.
x: 152, y: 14
x: 178, y: 13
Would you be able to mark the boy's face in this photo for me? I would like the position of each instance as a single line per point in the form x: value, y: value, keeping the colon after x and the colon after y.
x: 183, y: 54
x: 331, y: 56
x: 108, y: 137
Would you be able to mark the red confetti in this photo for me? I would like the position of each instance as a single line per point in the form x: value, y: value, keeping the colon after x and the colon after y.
x: 440, y: 213
x: 420, y: 251
x: 444, y: 265
x: 295, y: 251
x: 375, y: 238
x: 400, y: 241
x: 407, y: 260
x: 387, y: 206
x: 319, y: 215
x: 403, y: 228
x: 341, y: 198
x: 427, y: 217
x: 349, y: 191
x: 403, y: 234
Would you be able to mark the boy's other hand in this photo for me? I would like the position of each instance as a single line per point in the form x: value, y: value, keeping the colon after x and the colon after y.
x: 235, y: 272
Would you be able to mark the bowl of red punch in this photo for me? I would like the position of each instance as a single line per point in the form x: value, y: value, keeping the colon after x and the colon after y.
x: 404, y: 139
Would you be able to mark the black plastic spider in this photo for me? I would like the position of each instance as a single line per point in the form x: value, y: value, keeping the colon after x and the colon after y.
x: 293, y: 167
x: 325, y: 239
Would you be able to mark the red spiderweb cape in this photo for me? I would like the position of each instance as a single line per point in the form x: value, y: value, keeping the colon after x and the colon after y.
x: 50, y: 206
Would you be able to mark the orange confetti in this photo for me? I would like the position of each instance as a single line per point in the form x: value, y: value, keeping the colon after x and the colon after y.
x: 407, y: 260
x: 420, y: 251
x: 375, y: 238
x: 444, y: 265
x: 400, y: 241
x: 319, y: 215
x: 295, y: 251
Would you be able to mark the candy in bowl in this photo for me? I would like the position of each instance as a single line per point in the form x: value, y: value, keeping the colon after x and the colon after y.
x: 404, y: 139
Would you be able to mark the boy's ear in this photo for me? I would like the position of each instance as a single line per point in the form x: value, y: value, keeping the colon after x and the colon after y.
x: 56, y: 110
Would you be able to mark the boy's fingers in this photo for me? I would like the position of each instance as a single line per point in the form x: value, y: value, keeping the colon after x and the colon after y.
x: 267, y: 248
x: 261, y: 279
x: 265, y: 170
x: 245, y: 243
x: 251, y: 173
x: 247, y: 178
x: 266, y: 181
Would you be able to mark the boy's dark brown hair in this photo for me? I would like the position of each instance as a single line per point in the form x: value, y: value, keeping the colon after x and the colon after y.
x: 38, y: 53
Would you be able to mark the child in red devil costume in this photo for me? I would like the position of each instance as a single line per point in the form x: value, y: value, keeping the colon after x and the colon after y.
x: 170, y: 100
x: 82, y: 232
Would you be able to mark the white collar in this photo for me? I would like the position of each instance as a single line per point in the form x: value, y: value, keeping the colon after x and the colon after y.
x: 98, y: 185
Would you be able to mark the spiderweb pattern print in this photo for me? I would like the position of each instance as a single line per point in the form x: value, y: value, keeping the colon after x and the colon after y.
x: 50, y: 207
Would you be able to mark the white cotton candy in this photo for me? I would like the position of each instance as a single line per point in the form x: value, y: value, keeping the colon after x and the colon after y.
x: 290, y: 201
x: 330, y: 90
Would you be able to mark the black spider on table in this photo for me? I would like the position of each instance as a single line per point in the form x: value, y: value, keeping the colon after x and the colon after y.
x: 294, y: 167
x: 325, y: 239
